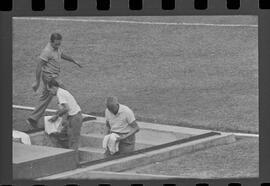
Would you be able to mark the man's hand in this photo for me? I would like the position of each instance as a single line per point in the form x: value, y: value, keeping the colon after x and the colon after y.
x: 35, y: 86
x: 53, y: 119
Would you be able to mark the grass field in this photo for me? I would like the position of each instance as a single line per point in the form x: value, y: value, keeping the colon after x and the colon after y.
x: 196, y: 76
x: 237, y: 160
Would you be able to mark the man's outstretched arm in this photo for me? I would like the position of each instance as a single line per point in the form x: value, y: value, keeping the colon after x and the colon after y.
x: 70, y: 59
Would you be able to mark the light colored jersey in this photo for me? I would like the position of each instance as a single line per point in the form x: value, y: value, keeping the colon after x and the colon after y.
x: 120, y: 122
x: 64, y: 96
x: 52, y: 58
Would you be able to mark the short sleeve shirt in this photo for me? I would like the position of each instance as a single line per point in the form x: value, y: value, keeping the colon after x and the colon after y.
x: 52, y: 58
x: 121, y: 121
x: 65, y: 97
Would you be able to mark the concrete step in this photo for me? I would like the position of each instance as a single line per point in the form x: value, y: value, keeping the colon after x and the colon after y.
x: 31, y: 161
x: 90, y: 154
x: 87, y: 140
x: 135, y: 161
x: 142, y: 159
x: 95, y: 140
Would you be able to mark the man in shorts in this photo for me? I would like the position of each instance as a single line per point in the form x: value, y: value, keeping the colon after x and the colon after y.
x: 120, y: 120
x: 48, y: 68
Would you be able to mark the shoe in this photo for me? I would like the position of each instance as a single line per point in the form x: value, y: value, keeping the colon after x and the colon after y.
x: 32, y: 123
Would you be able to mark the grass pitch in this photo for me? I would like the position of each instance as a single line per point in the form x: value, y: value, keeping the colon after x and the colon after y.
x: 195, y: 76
x: 237, y: 160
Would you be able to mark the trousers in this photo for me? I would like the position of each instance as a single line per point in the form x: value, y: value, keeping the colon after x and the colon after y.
x: 70, y: 135
x: 44, y: 99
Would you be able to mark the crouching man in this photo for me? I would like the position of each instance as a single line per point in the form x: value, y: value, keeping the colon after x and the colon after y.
x: 120, y: 121
x: 69, y: 108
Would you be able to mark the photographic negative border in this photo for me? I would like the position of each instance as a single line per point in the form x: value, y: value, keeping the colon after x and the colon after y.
x: 121, y: 8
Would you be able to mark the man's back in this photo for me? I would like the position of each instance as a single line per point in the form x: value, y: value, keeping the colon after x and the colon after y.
x: 64, y: 97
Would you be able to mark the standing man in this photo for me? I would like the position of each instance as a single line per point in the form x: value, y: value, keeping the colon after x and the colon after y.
x: 68, y: 106
x: 48, y: 68
x: 120, y: 120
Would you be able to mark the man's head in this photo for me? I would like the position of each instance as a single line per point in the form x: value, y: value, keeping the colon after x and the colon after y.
x: 53, y: 86
x: 56, y: 40
x: 112, y: 104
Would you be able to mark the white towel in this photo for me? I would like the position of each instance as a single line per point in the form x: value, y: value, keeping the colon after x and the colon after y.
x: 21, y: 135
x: 109, y: 142
x: 52, y: 127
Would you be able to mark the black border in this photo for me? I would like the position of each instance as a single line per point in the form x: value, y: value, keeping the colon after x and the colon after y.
x: 117, y: 8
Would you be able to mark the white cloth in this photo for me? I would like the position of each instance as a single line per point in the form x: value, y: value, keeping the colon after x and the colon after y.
x: 109, y: 142
x: 120, y: 122
x: 25, y: 138
x: 64, y: 97
x: 52, y: 127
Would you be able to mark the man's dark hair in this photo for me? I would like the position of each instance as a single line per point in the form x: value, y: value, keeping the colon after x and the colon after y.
x: 56, y: 36
x: 53, y: 83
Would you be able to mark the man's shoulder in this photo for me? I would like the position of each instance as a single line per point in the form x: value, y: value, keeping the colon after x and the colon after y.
x: 125, y: 108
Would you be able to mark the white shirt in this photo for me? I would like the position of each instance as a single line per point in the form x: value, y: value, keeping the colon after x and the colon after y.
x: 120, y: 122
x: 65, y: 97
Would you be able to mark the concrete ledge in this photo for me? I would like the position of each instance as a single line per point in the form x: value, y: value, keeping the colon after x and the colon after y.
x: 30, y: 161
x: 95, y: 140
x: 142, y: 159
x: 90, y: 154
x: 165, y: 153
x: 99, y: 126
x: 104, y: 175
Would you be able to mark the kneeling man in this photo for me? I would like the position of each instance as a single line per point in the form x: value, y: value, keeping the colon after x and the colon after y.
x: 120, y: 120
x: 69, y: 107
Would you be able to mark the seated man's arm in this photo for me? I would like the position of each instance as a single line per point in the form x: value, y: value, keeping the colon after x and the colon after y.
x: 134, y: 129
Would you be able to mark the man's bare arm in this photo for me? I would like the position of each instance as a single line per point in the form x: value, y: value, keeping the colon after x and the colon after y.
x: 135, y: 129
x: 70, y: 59
x: 63, y: 110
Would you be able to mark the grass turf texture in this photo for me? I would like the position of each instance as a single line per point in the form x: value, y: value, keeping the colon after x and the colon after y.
x: 195, y: 76
x: 240, y: 159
